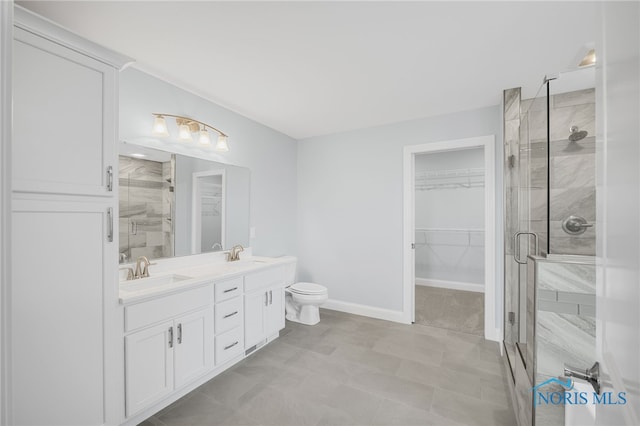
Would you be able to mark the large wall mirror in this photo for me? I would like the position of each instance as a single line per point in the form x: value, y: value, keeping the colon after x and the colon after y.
x: 175, y: 205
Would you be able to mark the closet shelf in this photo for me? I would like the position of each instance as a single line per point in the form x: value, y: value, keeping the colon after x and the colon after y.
x: 450, y: 237
x: 449, y: 179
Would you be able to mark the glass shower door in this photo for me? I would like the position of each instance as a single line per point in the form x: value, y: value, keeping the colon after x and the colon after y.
x: 526, y: 215
x: 533, y: 212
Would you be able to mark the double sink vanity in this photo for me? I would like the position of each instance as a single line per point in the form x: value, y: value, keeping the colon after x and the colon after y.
x: 193, y: 318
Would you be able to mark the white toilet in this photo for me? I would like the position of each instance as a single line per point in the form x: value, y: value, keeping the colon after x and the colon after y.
x: 303, y: 301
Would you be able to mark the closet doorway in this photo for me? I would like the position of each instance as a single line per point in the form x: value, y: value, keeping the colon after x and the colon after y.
x: 450, y: 228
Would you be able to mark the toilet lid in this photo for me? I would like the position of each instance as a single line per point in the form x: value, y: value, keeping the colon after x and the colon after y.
x: 307, y: 288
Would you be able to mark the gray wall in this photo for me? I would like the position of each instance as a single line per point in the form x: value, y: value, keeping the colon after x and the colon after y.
x: 350, y: 204
x: 270, y: 155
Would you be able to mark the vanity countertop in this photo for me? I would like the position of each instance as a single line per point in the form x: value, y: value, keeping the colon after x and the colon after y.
x: 182, y: 278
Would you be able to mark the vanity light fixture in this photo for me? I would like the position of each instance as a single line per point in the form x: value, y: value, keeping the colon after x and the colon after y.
x: 184, y: 133
x: 204, y: 138
x: 160, y: 126
x: 222, y: 144
x: 589, y: 59
x: 186, y: 127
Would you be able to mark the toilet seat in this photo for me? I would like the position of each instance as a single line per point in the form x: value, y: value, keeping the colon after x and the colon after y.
x: 307, y: 288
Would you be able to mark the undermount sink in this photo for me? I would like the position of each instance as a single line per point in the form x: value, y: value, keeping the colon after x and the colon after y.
x: 152, y: 282
x: 225, y: 267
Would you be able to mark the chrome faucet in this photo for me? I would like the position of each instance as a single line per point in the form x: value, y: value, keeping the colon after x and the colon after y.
x: 234, y: 253
x: 142, y: 267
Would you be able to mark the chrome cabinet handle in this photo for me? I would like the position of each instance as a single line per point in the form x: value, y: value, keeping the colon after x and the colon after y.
x: 179, y: 333
x: 110, y: 178
x: 516, y: 243
x: 170, y: 337
x: 230, y: 315
x: 110, y: 224
x: 230, y: 289
x: 271, y: 297
x: 266, y: 298
x: 231, y: 345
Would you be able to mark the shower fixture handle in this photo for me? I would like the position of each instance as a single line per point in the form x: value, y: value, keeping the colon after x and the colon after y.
x: 516, y: 244
x: 590, y: 375
x: 575, y: 225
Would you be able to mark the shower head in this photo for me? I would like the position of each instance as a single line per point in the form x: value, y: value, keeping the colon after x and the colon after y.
x: 577, y: 134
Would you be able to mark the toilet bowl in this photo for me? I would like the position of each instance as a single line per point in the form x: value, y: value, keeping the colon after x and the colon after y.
x: 303, y: 301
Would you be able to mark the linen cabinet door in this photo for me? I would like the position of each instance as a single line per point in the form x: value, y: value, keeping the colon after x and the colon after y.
x: 149, y: 359
x: 193, y: 346
x: 64, y: 128
x: 61, y: 277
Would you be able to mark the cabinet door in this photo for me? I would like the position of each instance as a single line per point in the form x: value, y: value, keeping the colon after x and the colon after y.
x: 255, y: 304
x: 60, y: 273
x: 64, y: 107
x: 149, y: 360
x: 193, y: 346
x: 274, y: 321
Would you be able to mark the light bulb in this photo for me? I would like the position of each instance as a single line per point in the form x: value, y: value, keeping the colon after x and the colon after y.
x: 222, y: 144
x: 160, y: 127
x: 204, y: 137
x: 184, y: 133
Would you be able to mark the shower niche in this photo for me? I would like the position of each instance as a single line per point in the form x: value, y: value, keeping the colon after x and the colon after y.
x: 550, y: 229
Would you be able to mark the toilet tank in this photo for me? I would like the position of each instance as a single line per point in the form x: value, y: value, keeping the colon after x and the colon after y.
x: 290, y: 271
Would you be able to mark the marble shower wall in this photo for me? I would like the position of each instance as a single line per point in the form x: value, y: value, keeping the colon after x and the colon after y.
x: 145, y: 201
x: 572, y: 166
x: 565, y: 325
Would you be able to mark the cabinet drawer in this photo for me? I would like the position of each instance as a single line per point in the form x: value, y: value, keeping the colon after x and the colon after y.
x: 229, y: 345
x: 228, y: 289
x: 228, y: 315
x: 265, y: 278
x: 163, y: 308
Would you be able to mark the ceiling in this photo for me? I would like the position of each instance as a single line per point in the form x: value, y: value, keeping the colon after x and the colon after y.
x: 314, y: 68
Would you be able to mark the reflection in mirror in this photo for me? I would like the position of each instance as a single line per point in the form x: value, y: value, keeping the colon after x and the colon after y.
x: 175, y: 205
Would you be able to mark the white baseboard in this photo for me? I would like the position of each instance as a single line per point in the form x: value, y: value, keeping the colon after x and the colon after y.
x: 453, y: 285
x: 493, y: 334
x: 364, y: 310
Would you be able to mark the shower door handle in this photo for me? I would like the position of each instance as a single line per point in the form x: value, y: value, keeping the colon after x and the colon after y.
x: 516, y: 243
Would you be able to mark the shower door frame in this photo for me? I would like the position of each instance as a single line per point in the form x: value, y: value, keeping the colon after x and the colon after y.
x: 492, y: 308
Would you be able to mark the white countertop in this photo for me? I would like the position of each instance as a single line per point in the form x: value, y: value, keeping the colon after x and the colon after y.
x: 182, y: 278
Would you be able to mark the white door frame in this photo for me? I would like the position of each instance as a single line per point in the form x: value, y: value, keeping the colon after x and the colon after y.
x: 6, y: 55
x: 491, y: 313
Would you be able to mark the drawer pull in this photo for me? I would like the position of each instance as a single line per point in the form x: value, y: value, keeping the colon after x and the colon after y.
x: 231, y: 345
x: 230, y: 315
x: 230, y: 290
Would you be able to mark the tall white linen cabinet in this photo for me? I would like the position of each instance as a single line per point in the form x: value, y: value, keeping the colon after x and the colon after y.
x: 66, y: 323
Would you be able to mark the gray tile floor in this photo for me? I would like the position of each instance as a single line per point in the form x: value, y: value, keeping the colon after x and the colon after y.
x: 353, y: 370
x: 451, y: 309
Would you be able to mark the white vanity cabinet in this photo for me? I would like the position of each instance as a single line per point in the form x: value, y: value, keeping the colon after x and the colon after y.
x: 176, y: 340
x: 173, y: 348
x: 263, y: 305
